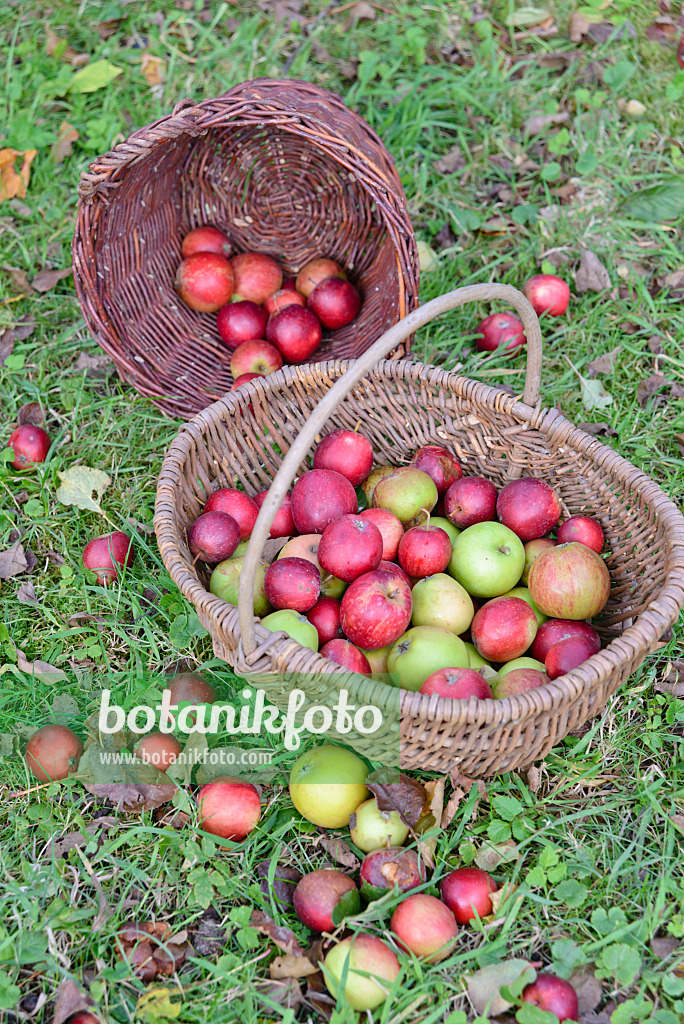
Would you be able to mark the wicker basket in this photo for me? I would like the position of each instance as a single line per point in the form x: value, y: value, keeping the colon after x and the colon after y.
x: 400, y: 406
x: 283, y: 167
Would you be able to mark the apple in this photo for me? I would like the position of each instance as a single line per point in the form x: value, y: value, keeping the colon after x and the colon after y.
x: 335, y: 302
x: 554, y: 630
x: 347, y: 656
x: 457, y: 684
x: 533, y: 550
x: 225, y: 579
x: 441, y: 601
x: 204, y: 281
x: 390, y: 529
x: 376, y: 609
x: 159, y: 749
x: 390, y: 867
x: 470, y: 500
x: 528, y: 507
x: 315, y: 271
x: 524, y: 595
x: 467, y: 893
x: 83, y: 1017
x: 256, y: 276
x: 451, y: 531
x: 374, y: 477
x: 205, y: 239
x: 255, y: 357
x: 283, y: 523
x: 517, y: 663
x: 406, y: 492
x: 213, y: 537
x: 475, y: 658
x: 570, y: 581
x: 440, y: 464
x: 584, y: 530
x: 282, y: 298
x: 295, y: 625
x: 504, y: 628
x: 30, y: 444
x: 517, y: 681
x: 244, y: 378
x: 325, y: 616
x: 424, y: 550
x: 316, y: 896
x: 350, y: 546
x: 500, y: 330
x: 107, y: 555
x: 425, y: 927
x: 306, y: 546
x: 377, y: 660
x: 238, y: 505
x: 292, y: 583
x: 238, y: 322
x: 319, y: 497
x: 229, y: 808
x: 373, y: 829
x: 397, y: 572
x: 53, y: 752
x: 190, y: 688
x: 568, y: 654
x: 554, y: 995
x: 421, y: 651
x: 347, y: 452
x: 295, y: 332
x: 487, y: 559
x: 547, y: 294
x: 369, y: 967
x: 327, y: 785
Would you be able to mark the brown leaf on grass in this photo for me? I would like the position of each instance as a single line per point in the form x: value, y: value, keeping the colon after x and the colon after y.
x: 94, y: 365
x: 604, y: 363
x: 292, y: 966
x: 15, y: 171
x: 490, y: 855
x: 433, y: 814
x: 45, y: 280
x: 649, y: 387
x: 70, y: 1000
x: 360, y: 11
x: 451, y: 162
x: 55, y: 558
x: 284, y: 938
x: 77, y: 840
x: 13, y: 561
x: 445, y: 237
x: 131, y: 797
x: 598, y: 429
x: 20, y: 281
x: 655, y: 345
x: 591, y: 275
x: 284, y: 882
x: 665, y: 946
x: 287, y: 993
x: 538, y: 122
x: 339, y: 852
x: 105, y: 29
x: 395, y: 791
x: 7, y: 339
x: 662, y: 30
x: 55, y: 46
x: 62, y: 148
x: 42, y: 670
x: 151, y: 948
x: 679, y: 438
x: 672, y: 679
x: 26, y: 594
x: 31, y: 413
x: 678, y: 821
x: 455, y: 800
x: 153, y: 69
x: 533, y: 778
x: 22, y: 330
x: 588, y: 988
x: 317, y: 996
x: 208, y: 938
x: 484, y: 986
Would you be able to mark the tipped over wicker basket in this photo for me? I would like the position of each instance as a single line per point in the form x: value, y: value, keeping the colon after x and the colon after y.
x: 400, y: 406
x: 283, y: 167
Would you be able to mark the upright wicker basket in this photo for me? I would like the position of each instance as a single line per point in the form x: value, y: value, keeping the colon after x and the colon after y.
x: 283, y: 167
x: 399, y: 406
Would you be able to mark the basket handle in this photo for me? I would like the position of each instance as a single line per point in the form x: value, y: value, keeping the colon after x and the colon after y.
x: 388, y: 341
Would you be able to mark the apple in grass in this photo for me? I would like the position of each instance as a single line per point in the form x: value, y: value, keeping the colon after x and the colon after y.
x: 228, y: 808
x: 256, y: 276
x: 424, y: 550
x: 325, y: 616
x: 292, y: 583
x: 487, y: 559
x: 347, y: 452
x: 30, y: 445
x: 316, y: 271
x: 53, y: 753
x: 467, y: 893
x: 568, y: 654
x: 528, y: 507
x: 440, y: 464
x: 554, y: 995
x: 346, y: 656
x: 554, y: 630
x: 500, y: 330
x: 457, y: 684
x: 255, y: 357
x: 518, y: 681
x: 204, y: 281
x: 374, y: 477
x: 158, y: 749
x: 190, y: 688
x: 570, y: 581
x: 390, y: 529
x: 533, y: 550
x: 282, y: 298
x: 306, y: 546
x: 372, y: 829
x: 470, y: 500
x: 225, y: 580
x: 213, y: 537
x: 547, y: 293
x: 350, y: 546
x: 319, y: 497
x: 316, y: 896
x: 368, y: 966
x: 283, y: 523
x: 584, y: 530
x: 390, y: 867
x: 335, y: 302
x: 421, y: 651
x: 295, y: 332
x: 524, y: 594
x: 406, y: 492
x: 376, y: 609
x: 327, y: 784
x: 504, y: 628
x: 441, y: 601
x: 107, y: 555
x: 206, y: 239
x: 237, y: 504
x: 425, y: 927
x: 238, y: 322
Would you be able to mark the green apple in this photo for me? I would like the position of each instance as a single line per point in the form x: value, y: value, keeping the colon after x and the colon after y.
x: 511, y: 666
x: 476, y: 659
x: 440, y: 601
x: 241, y: 549
x: 372, y: 480
x: 327, y: 785
x: 378, y: 659
x: 451, y: 531
x: 372, y: 828
x: 524, y: 595
x: 421, y: 651
x: 295, y: 625
x: 487, y: 559
x: 226, y: 577
x: 361, y: 959
x: 407, y: 493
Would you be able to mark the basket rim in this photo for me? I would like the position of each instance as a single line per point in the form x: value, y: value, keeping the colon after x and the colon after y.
x: 554, y: 695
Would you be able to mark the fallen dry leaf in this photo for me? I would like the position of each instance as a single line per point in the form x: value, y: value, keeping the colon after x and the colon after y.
x: 42, y: 670
x: 55, y: 43
x: 15, y: 182
x: 538, y: 122
x: 665, y: 946
x: 484, y: 986
x: 533, y: 778
x: 78, y: 484
x: 604, y: 363
x: 292, y: 966
x: 151, y: 948
x: 45, y: 280
x: 359, y: 12
x: 591, y: 275
x: 649, y: 387
x: 70, y: 1000
x: 284, y: 938
x: 395, y: 791
x: 598, y: 429
x: 455, y: 800
x: 7, y: 339
x: 94, y: 366
x: 65, y: 142
x: 22, y: 330
x: 26, y: 594
x: 153, y: 69
x: 20, y: 281
x: 679, y: 438
x: 678, y: 821
x: 31, y: 413
x: 209, y: 938
x: 672, y: 679
x: 451, y: 162
x: 284, y: 882
x: 339, y: 852
x: 588, y: 988
x: 490, y: 855
x: 287, y: 993
x: 13, y: 561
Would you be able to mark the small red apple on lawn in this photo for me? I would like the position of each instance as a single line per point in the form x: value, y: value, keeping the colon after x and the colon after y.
x: 205, y: 281
x: 584, y: 530
x: 283, y: 523
x: 376, y: 609
x: 238, y: 505
x: 383, y: 869
x: 369, y: 967
x: 229, y: 808
x: 528, y: 507
x: 467, y: 890
x: 470, y: 500
x: 158, y: 749
x: 347, y: 452
x: 335, y: 302
x: 503, y: 628
x: 30, y: 444
x: 319, y: 497
x: 206, y: 239
x: 316, y: 896
x: 547, y: 294
x: 569, y: 581
x: 390, y: 528
x: 554, y: 630
x: 568, y: 654
x: 238, y: 322
x: 107, y: 555
x: 190, y: 688
x: 213, y: 537
x: 53, y: 752
x: 292, y: 583
x: 500, y: 330
x: 315, y: 271
x: 346, y: 656
x: 350, y: 546
x: 256, y: 276
x: 282, y: 298
x: 424, y: 550
x: 425, y: 926
x: 325, y: 616
x: 553, y: 994
x: 257, y: 356
x: 457, y: 684
x: 296, y: 333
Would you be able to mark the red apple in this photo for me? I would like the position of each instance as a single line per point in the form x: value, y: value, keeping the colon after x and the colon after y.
x: 568, y: 654
x: 316, y: 896
x: 229, y: 808
x: 440, y: 464
x: 325, y: 616
x: 158, y: 749
x: 376, y: 609
x: 335, y: 302
x: 467, y: 893
x: 409, y: 493
x: 396, y: 571
x: 569, y: 581
x: 554, y: 995
x: 347, y: 452
x: 30, y: 444
x: 518, y: 680
x: 553, y: 631
x: 425, y: 926
x: 503, y: 628
x: 53, y: 752
x: 500, y: 330
x: 533, y: 550
x: 547, y: 294
x: 205, y: 281
x: 282, y: 298
x: 470, y: 500
x: 390, y: 529
x: 107, y: 555
x: 289, y: 284
x: 283, y: 523
x: 584, y: 530
x: 528, y: 507
x: 206, y: 239
x: 213, y: 537
x: 315, y: 271
x: 295, y: 332
x: 238, y: 505
x: 319, y: 497
x: 256, y: 276
x: 349, y: 547
x: 424, y: 550
x: 292, y: 583
x: 385, y: 868
x: 190, y: 688
x: 83, y: 1017
x: 457, y: 684
x: 244, y: 378
x: 239, y: 322
x: 345, y: 654
x: 255, y: 357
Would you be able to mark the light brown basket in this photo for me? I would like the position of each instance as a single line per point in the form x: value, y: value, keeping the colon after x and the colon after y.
x: 402, y: 405
x: 283, y: 167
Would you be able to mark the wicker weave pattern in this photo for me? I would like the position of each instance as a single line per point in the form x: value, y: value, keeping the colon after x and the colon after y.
x: 284, y: 168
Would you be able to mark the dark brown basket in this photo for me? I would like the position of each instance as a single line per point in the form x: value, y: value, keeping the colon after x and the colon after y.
x: 402, y: 405
x: 284, y: 168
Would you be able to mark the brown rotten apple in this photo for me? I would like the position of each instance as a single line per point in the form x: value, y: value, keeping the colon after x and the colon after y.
x: 569, y: 581
x: 383, y: 869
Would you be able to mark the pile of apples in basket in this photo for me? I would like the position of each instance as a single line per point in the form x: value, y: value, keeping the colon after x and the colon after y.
x: 477, y: 600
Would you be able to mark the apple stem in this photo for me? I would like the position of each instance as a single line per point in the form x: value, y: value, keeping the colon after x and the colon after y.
x: 427, y: 513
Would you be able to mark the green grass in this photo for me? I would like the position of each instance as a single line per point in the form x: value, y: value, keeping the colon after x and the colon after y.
x: 597, y: 857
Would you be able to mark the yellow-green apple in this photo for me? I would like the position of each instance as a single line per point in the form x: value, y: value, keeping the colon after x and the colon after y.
x: 441, y: 601
x: 421, y: 651
x: 516, y: 663
x: 327, y: 785
x: 377, y: 659
x: 487, y: 559
x: 296, y: 626
x: 371, y: 828
x: 225, y: 580
x: 370, y: 483
x: 369, y: 967
x: 407, y: 492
